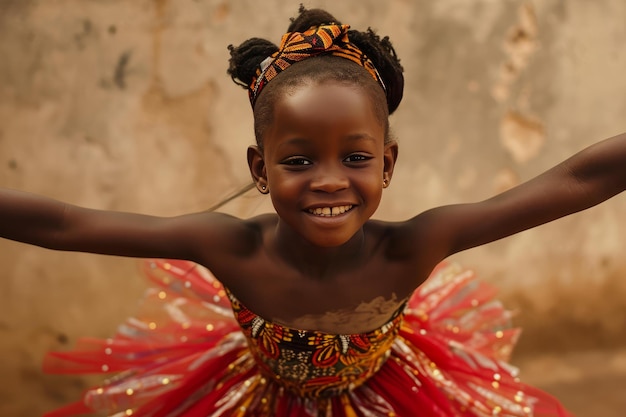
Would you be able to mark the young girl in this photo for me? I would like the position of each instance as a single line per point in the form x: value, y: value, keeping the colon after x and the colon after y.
x: 332, y: 314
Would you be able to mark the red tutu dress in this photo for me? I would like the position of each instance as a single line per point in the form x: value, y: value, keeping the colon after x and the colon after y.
x: 186, y: 354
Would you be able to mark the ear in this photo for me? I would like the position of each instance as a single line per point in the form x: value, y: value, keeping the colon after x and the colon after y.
x: 256, y: 163
x: 390, y: 155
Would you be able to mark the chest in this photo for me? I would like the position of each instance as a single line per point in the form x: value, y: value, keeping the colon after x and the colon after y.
x: 349, y: 301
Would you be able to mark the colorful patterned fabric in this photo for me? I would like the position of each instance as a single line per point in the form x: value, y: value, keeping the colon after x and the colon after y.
x: 297, y: 46
x: 315, y: 364
x: 185, y: 355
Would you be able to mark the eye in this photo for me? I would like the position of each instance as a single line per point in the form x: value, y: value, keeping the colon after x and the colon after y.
x: 296, y: 161
x: 356, y: 158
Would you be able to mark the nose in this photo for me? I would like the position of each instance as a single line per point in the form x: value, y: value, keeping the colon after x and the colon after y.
x: 329, y: 179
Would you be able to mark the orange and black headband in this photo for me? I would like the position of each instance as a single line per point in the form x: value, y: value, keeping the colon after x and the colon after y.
x: 298, y: 46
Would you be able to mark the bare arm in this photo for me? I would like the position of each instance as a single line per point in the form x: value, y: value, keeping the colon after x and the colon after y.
x: 52, y: 224
x: 582, y: 181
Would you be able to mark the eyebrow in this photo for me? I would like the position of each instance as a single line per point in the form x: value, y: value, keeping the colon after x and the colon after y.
x: 351, y: 138
x: 360, y: 136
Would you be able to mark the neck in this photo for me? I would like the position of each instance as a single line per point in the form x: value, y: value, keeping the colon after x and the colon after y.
x: 317, y: 261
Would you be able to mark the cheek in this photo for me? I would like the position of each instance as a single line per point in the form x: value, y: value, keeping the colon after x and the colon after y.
x: 281, y: 181
x: 370, y: 182
x: 373, y: 173
x: 284, y: 188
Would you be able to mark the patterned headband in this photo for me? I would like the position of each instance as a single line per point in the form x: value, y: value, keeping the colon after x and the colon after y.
x: 298, y: 46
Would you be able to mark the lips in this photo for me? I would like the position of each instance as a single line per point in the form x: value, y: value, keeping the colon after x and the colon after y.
x: 330, y: 211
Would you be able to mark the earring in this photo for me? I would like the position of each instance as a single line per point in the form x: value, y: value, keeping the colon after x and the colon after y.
x: 385, y: 182
x: 264, y: 189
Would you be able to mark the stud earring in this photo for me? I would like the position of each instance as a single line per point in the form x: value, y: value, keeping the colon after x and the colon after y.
x: 264, y: 189
x: 385, y: 183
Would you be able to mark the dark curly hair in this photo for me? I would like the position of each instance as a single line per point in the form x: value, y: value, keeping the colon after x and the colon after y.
x: 246, y: 58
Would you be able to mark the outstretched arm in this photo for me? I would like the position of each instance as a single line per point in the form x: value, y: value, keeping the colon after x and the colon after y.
x: 52, y: 224
x: 582, y: 181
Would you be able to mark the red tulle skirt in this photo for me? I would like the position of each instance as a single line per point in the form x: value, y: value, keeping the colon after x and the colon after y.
x: 184, y: 354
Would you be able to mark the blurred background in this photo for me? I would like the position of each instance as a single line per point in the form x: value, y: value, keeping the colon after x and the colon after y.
x: 126, y: 105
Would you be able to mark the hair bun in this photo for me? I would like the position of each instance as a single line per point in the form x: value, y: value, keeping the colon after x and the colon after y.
x: 246, y: 58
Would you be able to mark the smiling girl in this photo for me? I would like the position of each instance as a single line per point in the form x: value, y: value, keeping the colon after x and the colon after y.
x: 333, y: 312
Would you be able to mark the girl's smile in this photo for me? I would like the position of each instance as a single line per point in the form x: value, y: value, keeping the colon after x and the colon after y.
x: 330, y: 211
x: 324, y: 159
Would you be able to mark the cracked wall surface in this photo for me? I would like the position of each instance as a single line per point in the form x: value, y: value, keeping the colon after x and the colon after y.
x: 127, y: 106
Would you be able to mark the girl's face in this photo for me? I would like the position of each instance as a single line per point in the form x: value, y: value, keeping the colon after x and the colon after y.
x: 324, y: 161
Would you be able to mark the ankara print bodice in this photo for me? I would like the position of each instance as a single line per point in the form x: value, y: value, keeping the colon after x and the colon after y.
x: 314, y: 364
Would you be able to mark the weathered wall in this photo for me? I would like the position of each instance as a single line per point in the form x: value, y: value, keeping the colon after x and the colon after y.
x: 126, y: 105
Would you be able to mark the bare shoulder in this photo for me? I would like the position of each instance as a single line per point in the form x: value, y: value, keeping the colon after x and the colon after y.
x: 236, y: 235
x: 397, y: 236
x: 437, y: 233
x: 233, y: 248
x: 396, y: 240
x: 420, y: 242
x: 408, y: 251
x: 256, y: 227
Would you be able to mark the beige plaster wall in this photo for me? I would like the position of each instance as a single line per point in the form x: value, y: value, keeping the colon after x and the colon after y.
x: 126, y: 105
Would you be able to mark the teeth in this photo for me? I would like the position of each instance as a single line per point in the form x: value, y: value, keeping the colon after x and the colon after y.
x: 330, y: 211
